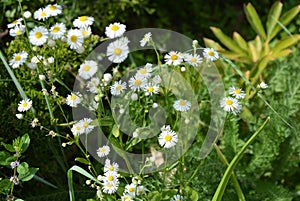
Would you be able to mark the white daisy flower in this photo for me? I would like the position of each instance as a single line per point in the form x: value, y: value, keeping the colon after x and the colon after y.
x: 182, y: 105
x: 141, y: 190
x: 110, y: 187
x: 145, y: 39
x: 27, y: 14
x: 150, y: 89
x: 41, y: 14
x: 126, y: 198
x: 88, y: 69
x: 83, y: 21
x: 17, y: 22
x: 110, y: 176
x: 145, y: 71
x: 77, y: 129
x: 93, y: 85
x: 173, y: 58
x: 17, y: 30
x: 24, y: 105
x: 111, y: 167
x: 237, y: 92
x: 86, y: 31
x: 130, y: 189
x: 53, y: 10
x: 86, y: 124
x: 193, y: 60
x: 210, y: 54
x: 177, y: 198
x: 103, y: 151
x: 34, y: 122
x: 117, y: 88
x: 136, y: 83
x: 18, y: 59
x: 37, y: 59
x: 57, y: 30
x: 231, y: 105
x: 75, y: 38
x: 74, y: 99
x: 38, y: 35
x: 167, y: 139
x: 115, y: 30
x: 118, y: 50
x: 263, y: 85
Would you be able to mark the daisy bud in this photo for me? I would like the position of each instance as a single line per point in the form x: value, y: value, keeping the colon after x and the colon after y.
x: 27, y: 14
x: 195, y: 43
x: 122, y: 111
x: 88, y: 182
x: 183, y: 69
x: 42, y: 77
x: 51, y: 43
x: 155, y: 105
x: 134, y: 97
x: 107, y: 77
x: 80, y: 50
x: 50, y: 60
x: 63, y: 144
x: 19, y: 116
x: 263, y: 85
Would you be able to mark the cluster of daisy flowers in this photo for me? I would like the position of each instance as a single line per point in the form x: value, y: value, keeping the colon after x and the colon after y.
x: 232, y: 103
x: 41, y: 35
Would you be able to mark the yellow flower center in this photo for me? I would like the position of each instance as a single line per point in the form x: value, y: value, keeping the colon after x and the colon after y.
x: 117, y: 51
x: 83, y: 18
x: 193, y: 59
x: 174, y: 57
x: 56, y: 29
x: 110, y: 178
x: 229, y: 102
x: 211, y: 53
x: 38, y: 34
x: 168, y: 138
x: 182, y: 103
x: 119, y: 88
x: 237, y: 91
x: 102, y: 150
x: 18, y: 58
x: 85, y: 124
x: 52, y: 7
x: 138, y: 82
x: 15, y: 22
x: 109, y: 185
x: 150, y: 89
x: 131, y: 190
x: 85, y: 33
x: 115, y: 27
x: 25, y: 104
x: 73, y: 38
x: 73, y: 97
x: 77, y: 128
x: 43, y: 14
x: 143, y: 71
x: 86, y: 68
x: 18, y: 32
x: 111, y: 168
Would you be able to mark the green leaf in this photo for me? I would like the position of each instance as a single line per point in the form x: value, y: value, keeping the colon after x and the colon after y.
x: 285, y: 43
x: 227, y: 41
x: 24, y: 142
x: 212, y: 44
x: 23, y: 168
x: 115, y: 131
x: 3, y: 156
x: 254, y: 20
x: 8, y: 147
x: 5, y: 185
x: 284, y: 20
x: 168, y: 194
x: 29, y: 175
x: 82, y: 160
x: 154, y: 196
x: 273, y: 17
x: 240, y: 41
x: 192, y: 194
x: 222, y: 185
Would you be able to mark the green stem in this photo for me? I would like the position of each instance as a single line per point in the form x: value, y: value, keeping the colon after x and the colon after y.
x: 222, y: 185
x: 233, y: 177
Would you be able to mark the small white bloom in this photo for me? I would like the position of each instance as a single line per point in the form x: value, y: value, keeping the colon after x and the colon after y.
x: 51, y: 43
x: 38, y: 36
x: 80, y: 50
x: 173, y: 58
x: 24, y: 105
x: 93, y: 85
x: 83, y: 21
x: 177, y: 198
x: 14, y: 164
x: 134, y: 96
x: 77, y: 129
x: 263, y: 85
x: 117, y: 88
x: 193, y: 60
x: 141, y: 190
x: 182, y: 105
x: 130, y: 189
x: 17, y: 22
x: 118, y: 50
x: 50, y: 60
x: 145, y: 39
x: 17, y: 30
x: 107, y: 77
x: 110, y: 187
x: 42, y: 77
x: 41, y: 14
x: 18, y: 59
x: 155, y: 105
x: 103, y: 151
x: 19, y: 116
x: 145, y: 71
x: 86, y: 31
x: 183, y: 69
x: 58, y: 30
x: 87, y: 125
x: 37, y: 59
x: 110, y: 167
x: 75, y: 38
x: 34, y: 122
x: 88, y: 69
x: 53, y: 10
x: 136, y: 83
x: 115, y: 30
x: 167, y: 139
x: 231, y: 105
x: 74, y: 99
x: 27, y: 14
x: 237, y: 92
x: 150, y: 89
x: 126, y: 198
x: 210, y: 54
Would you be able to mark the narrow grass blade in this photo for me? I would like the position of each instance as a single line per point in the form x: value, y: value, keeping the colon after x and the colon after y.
x: 40, y: 179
